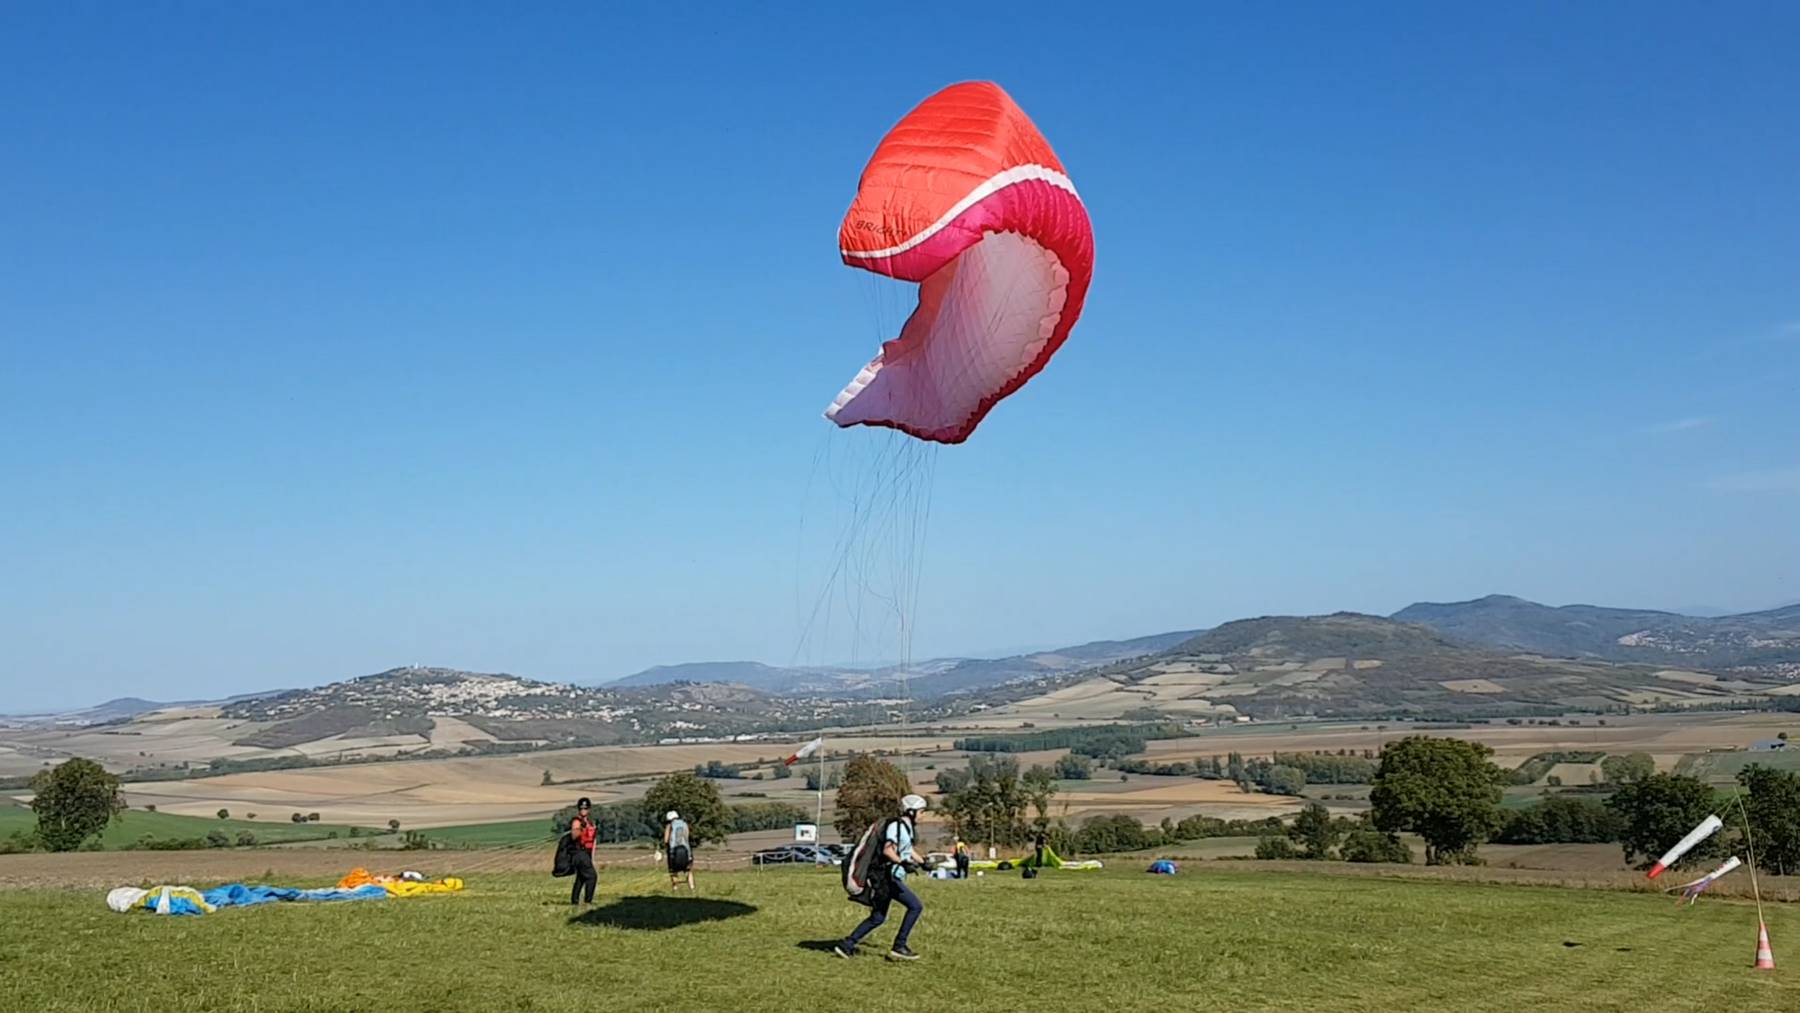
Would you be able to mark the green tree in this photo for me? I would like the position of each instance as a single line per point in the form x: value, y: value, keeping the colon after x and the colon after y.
x: 1773, y: 811
x: 246, y: 839
x: 74, y: 801
x: 393, y: 826
x: 1285, y: 780
x: 1660, y: 810
x: 767, y: 816
x: 697, y: 800
x: 1561, y: 819
x: 1445, y: 790
x: 1104, y: 834
x: 216, y: 838
x: 1627, y: 769
x: 783, y: 772
x: 951, y: 780
x: 717, y: 769
x: 224, y: 814
x: 1074, y: 767
x: 1369, y: 845
x: 992, y: 804
x: 871, y: 790
x: 1276, y: 847
x: 1039, y: 787
x: 1315, y: 831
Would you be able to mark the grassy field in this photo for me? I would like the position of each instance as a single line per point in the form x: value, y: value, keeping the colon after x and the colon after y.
x: 1212, y: 938
x: 1722, y: 768
x: 492, y: 835
x: 136, y: 823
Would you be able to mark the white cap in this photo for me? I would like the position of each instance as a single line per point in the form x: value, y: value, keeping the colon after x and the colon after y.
x: 671, y: 815
x: 912, y: 802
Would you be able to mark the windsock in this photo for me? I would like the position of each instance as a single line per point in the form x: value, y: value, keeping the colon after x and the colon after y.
x: 1700, y: 833
x: 804, y: 751
x: 1692, y: 891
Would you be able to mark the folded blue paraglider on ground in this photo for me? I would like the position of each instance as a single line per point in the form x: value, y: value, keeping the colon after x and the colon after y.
x: 184, y: 900
x: 239, y: 895
x: 1162, y: 867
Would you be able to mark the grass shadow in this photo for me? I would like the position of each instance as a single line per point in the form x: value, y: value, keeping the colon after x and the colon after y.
x: 654, y: 914
x: 819, y: 945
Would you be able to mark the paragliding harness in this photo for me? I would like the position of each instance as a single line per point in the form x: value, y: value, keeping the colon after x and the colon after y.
x: 867, y: 873
x: 565, y: 856
x: 680, y: 858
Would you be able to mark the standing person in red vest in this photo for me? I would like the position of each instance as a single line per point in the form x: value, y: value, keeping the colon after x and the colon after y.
x: 583, y: 830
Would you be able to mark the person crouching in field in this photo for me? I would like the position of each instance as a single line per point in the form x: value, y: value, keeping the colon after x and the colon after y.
x: 897, y: 853
x: 679, y: 848
x: 583, y: 830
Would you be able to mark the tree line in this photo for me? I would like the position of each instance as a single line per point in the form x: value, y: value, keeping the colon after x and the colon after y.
x: 1096, y: 741
x: 709, y: 817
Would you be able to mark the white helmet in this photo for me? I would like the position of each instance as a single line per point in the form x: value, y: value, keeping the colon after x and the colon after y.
x: 913, y: 803
x: 671, y: 816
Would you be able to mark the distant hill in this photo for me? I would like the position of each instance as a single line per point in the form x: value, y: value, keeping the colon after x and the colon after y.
x: 1354, y: 665
x: 1755, y: 642
x: 753, y: 674
x: 923, y: 680
x: 508, y: 708
x: 1494, y: 656
x: 113, y: 710
x: 744, y: 672
x: 973, y: 675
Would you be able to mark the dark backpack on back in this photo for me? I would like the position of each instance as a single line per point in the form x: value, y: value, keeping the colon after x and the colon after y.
x: 565, y: 857
x: 865, y: 870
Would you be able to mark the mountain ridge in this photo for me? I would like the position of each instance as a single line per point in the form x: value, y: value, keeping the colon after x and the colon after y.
x: 1767, y: 641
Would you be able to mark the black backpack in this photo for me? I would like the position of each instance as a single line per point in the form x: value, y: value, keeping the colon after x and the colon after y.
x: 866, y: 871
x: 565, y: 857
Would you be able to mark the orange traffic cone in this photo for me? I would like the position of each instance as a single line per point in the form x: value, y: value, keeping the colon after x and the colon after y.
x: 1765, y: 960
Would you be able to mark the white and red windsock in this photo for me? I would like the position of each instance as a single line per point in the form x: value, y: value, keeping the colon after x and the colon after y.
x: 1692, y: 891
x: 1706, y: 829
x: 804, y: 751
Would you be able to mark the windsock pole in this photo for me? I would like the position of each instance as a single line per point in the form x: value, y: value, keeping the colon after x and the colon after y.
x: 1765, y: 958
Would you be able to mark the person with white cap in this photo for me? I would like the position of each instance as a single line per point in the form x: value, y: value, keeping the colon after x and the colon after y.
x: 679, y: 848
x: 897, y: 852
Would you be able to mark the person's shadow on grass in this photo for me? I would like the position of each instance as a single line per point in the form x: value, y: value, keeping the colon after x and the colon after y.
x: 653, y: 914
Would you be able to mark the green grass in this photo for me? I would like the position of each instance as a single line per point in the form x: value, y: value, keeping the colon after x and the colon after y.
x: 136, y: 823
x: 493, y: 835
x: 1211, y: 938
x: 1722, y: 768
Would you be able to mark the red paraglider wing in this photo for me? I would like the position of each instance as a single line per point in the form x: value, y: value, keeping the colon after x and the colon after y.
x: 965, y: 197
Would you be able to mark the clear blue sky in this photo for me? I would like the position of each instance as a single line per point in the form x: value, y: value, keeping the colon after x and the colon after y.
x: 340, y: 336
